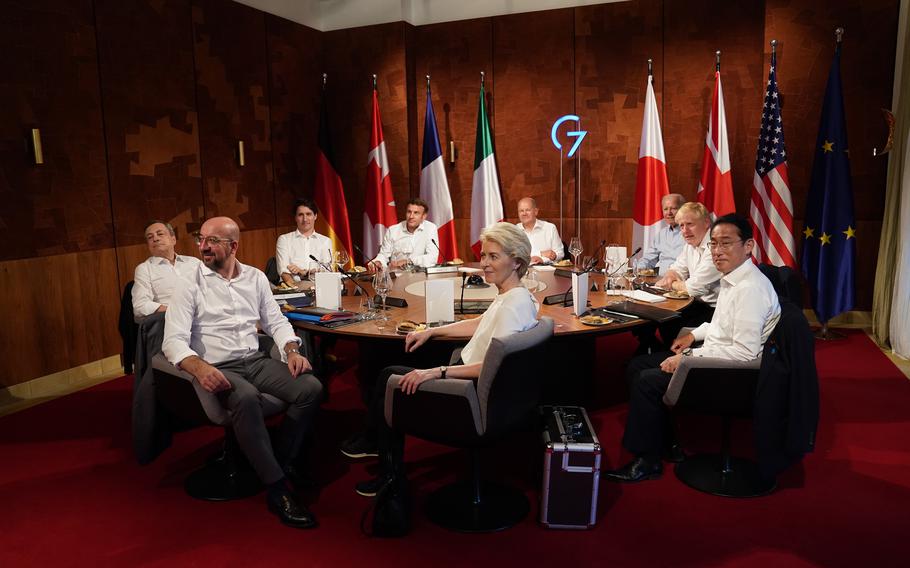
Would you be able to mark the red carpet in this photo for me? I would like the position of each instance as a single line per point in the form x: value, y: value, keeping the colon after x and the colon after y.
x: 72, y: 495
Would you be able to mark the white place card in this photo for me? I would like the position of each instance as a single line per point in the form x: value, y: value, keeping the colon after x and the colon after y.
x: 328, y: 290
x: 579, y: 293
x: 440, y: 298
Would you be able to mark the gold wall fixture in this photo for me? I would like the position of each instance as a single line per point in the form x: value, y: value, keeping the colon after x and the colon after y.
x: 241, y: 157
x: 37, y: 152
x: 452, y: 154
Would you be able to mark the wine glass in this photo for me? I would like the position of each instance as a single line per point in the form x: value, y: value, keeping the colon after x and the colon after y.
x: 408, y: 262
x: 341, y: 259
x: 613, y: 259
x: 575, y: 249
x: 382, y: 285
x: 531, y: 280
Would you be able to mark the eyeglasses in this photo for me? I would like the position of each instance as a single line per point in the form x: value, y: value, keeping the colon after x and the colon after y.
x: 722, y: 246
x: 212, y: 241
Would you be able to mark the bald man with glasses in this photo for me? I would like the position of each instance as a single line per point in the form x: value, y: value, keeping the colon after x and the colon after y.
x: 210, y: 331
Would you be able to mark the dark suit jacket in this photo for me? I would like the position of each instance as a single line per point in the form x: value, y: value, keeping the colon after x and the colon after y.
x: 785, y: 414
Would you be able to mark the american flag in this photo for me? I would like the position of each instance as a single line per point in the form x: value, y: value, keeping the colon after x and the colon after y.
x: 771, y: 208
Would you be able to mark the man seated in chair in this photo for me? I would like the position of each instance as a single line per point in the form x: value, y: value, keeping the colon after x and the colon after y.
x: 415, y: 237
x: 505, y: 257
x: 546, y: 246
x: 154, y: 279
x: 210, y: 332
x: 747, y: 311
x: 293, y: 250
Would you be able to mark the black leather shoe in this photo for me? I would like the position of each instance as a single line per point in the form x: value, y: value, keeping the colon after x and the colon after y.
x: 299, y: 478
x: 371, y: 487
x: 636, y: 470
x: 289, y: 511
x: 674, y: 454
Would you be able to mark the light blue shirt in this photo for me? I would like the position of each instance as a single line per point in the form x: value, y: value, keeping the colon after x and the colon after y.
x: 664, y: 249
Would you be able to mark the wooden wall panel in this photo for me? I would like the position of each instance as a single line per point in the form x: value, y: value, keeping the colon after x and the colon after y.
x: 533, y: 64
x: 351, y: 57
x: 50, y: 81
x: 257, y: 246
x: 805, y: 32
x: 146, y: 57
x: 453, y: 54
x: 233, y: 98
x: 295, y: 67
x: 74, y: 297
x: 612, y: 45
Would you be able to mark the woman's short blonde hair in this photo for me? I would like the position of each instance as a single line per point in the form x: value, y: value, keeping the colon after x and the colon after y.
x: 514, y: 242
x: 695, y: 209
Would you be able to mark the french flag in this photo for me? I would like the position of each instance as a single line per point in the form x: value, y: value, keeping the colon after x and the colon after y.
x: 434, y: 187
x: 651, y: 183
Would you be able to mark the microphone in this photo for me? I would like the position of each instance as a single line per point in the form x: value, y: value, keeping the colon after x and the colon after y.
x: 596, y: 258
x: 343, y: 275
x: 464, y: 276
x: 438, y: 250
x: 362, y: 255
x: 620, y: 267
x: 590, y: 268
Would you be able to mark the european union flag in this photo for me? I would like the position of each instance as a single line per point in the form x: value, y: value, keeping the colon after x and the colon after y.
x: 829, y: 243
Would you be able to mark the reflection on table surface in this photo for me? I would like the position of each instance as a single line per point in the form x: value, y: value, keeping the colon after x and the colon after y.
x: 405, y: 283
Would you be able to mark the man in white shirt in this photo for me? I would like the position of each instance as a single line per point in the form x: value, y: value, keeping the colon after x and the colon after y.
x: 154, y: 279
x: 292, y: 253
x: 747, y: 311
x: 210, y: 331
x: 415, y: 237
x: 546, y: 246
x: 668, y: 242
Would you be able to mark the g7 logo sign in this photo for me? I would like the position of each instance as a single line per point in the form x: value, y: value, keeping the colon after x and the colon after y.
x: 579, y: 135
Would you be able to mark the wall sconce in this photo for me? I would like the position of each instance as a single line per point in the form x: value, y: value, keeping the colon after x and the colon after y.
x: 241, y: 157
x: 37, y: 152
x: 452, y: 153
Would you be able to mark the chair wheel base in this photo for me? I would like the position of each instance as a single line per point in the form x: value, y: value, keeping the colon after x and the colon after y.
x: 704, y: 473
x: 453, y: 507
x: 218, y: 481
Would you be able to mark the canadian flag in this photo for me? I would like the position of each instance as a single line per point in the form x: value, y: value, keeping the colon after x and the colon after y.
x: 651, y: 183
x: 715, y: 190
x: 379, y: 209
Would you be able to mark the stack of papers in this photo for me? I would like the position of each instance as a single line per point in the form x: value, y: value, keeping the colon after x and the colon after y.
x: 643, y: 296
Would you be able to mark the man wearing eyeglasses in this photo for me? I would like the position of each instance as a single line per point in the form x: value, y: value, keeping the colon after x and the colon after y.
x: 154, y: 279
x: 210, y: 332
x: 293, y: 250
x: 668, y: 242
x: 747, y: 311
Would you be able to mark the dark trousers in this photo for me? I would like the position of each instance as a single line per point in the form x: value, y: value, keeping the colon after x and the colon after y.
x: 648, y: 426
x: 261, y: 374
x: 389, y: 441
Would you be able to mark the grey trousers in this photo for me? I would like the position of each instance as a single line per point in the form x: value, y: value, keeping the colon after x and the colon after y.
x: 262, y: 374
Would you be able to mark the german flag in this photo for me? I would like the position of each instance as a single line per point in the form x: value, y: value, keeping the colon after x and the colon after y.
x: 328, y: 191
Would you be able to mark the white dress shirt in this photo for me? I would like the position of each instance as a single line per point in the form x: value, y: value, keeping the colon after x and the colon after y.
x: 510, y: 312
x: 418, y: 244
x: 216, y: 318
x: 154, y: 280
x: 747, y: 311
x: 696, y: 267
x: 664, y: 250
x: 294, y: 248
x: 544, y: 236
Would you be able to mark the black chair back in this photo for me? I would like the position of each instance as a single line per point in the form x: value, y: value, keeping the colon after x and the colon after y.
x: 129, y: 331
x: 271, y: 271
x: 515, y: 394
x: 786, y: 282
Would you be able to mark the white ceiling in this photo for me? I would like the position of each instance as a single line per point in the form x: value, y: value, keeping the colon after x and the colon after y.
x: 328, y: 15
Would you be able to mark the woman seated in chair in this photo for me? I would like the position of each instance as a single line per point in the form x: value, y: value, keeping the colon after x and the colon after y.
x: 505, y: 256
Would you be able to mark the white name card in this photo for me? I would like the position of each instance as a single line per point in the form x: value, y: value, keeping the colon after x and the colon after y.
x: 440, y: 298
x: 579, y: 293
x: 328, y: 290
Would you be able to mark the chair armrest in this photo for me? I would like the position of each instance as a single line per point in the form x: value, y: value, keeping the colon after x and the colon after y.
x: 687, y: 364
x: 456, y: 356
x: 210, y: 404
x: 428, y: 397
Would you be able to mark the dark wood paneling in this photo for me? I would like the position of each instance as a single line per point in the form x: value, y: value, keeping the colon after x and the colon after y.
x: 693, y: 31
x: 295, y: 66
x: 146, y: 57
x: 232, y: 94
x: 453, y: 54
x: 351, y: 57
x: 612, y: 45
x: 256, y: 247
x: 533, y: 57
x: 77, y: 302
x: 50, y: 81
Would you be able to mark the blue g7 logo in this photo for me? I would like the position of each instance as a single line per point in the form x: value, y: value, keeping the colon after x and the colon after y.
x: 579, y: 135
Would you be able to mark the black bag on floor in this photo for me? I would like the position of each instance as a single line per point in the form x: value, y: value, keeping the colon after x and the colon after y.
x: 391, y: 510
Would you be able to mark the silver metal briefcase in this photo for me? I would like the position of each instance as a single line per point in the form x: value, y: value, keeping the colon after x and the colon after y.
x: 571, y: 469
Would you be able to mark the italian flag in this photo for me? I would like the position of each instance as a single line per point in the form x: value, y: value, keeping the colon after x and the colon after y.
x: 651, y: 183
x: 486, y: 201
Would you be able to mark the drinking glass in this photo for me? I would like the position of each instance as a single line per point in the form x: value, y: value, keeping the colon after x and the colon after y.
x: 382, y: 285
x: 531, y: 280
x: 575, y: 249
x: 408, y: 263
x: 613, y: 262
x: 341, y: 259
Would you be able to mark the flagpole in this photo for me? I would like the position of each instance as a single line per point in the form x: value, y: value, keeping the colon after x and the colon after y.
x: 324, y: 78
x: 374, y: 81
x: 717, y: 61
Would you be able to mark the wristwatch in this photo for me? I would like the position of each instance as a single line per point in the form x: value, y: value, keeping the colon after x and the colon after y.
x: 687, y: 351
x: 442, y: 371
